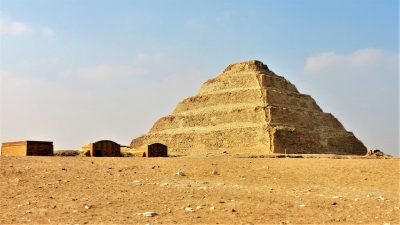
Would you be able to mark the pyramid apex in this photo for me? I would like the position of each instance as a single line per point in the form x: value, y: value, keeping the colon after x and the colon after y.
x: 250, y: 65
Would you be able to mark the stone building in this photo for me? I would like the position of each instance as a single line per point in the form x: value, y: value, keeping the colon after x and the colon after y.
x: 157, y: 150
x: 152, y: 150
x: 27, y: 148
x: 103, y: 148
x: 248, y: 108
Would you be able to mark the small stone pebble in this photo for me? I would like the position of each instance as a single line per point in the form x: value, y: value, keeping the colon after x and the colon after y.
x: 88, y: 206
x: 180, y: 174
x: 149, y: 214
x: 189, y: 209
x: 380, y: 197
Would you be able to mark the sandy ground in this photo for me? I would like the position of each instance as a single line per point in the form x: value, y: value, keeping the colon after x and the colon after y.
x: 79, y: 190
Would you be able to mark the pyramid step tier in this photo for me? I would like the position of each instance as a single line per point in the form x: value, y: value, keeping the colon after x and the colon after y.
x: 259, y: 139
x: 249, y: 96
x: 276, y: 115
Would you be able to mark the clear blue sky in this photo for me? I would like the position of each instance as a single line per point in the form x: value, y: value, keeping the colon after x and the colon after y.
x: 67, y: 65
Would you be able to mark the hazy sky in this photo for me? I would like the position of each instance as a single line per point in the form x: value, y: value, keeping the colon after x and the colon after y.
x: 74, y: 71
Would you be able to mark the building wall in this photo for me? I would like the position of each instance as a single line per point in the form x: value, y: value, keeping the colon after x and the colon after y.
x: 14, y: 148
x: 157, y: 150
x: 102, y: 148
x: 40, y: 148
x: 86, y: 150
x: 106, y: 149
x: 27, y: 148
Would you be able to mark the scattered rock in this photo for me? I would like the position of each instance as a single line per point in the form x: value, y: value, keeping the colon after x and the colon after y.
x: 87, y: 206
x: 149, y: 214
x: 233, y: 210
x: 214, y: 172
x: 189, y: 209
x: 302, y: 205
x: 376, y: 153
x: 380, y: 197
x: 164, y: 184
x: 212, y: 208
x: 199, y: 207
x: 334, y: 203
x: 180, y: 174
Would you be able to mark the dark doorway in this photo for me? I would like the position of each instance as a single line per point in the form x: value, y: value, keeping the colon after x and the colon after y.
x: 98, y: 153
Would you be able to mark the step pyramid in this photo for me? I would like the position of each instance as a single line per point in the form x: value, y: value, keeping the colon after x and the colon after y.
x: 249, y: 109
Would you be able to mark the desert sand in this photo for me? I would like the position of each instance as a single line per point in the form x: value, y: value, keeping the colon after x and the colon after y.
x: 215, y: 189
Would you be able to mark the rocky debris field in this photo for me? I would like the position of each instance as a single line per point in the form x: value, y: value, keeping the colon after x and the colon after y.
x: 215, y: 189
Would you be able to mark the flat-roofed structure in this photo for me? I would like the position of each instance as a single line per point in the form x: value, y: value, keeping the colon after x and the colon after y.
x: 27, y: 148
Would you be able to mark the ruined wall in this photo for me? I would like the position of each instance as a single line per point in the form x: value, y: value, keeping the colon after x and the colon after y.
x: 249, y: 109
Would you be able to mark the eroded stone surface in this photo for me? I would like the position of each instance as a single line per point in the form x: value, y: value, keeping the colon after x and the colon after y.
x: 249, y: 109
